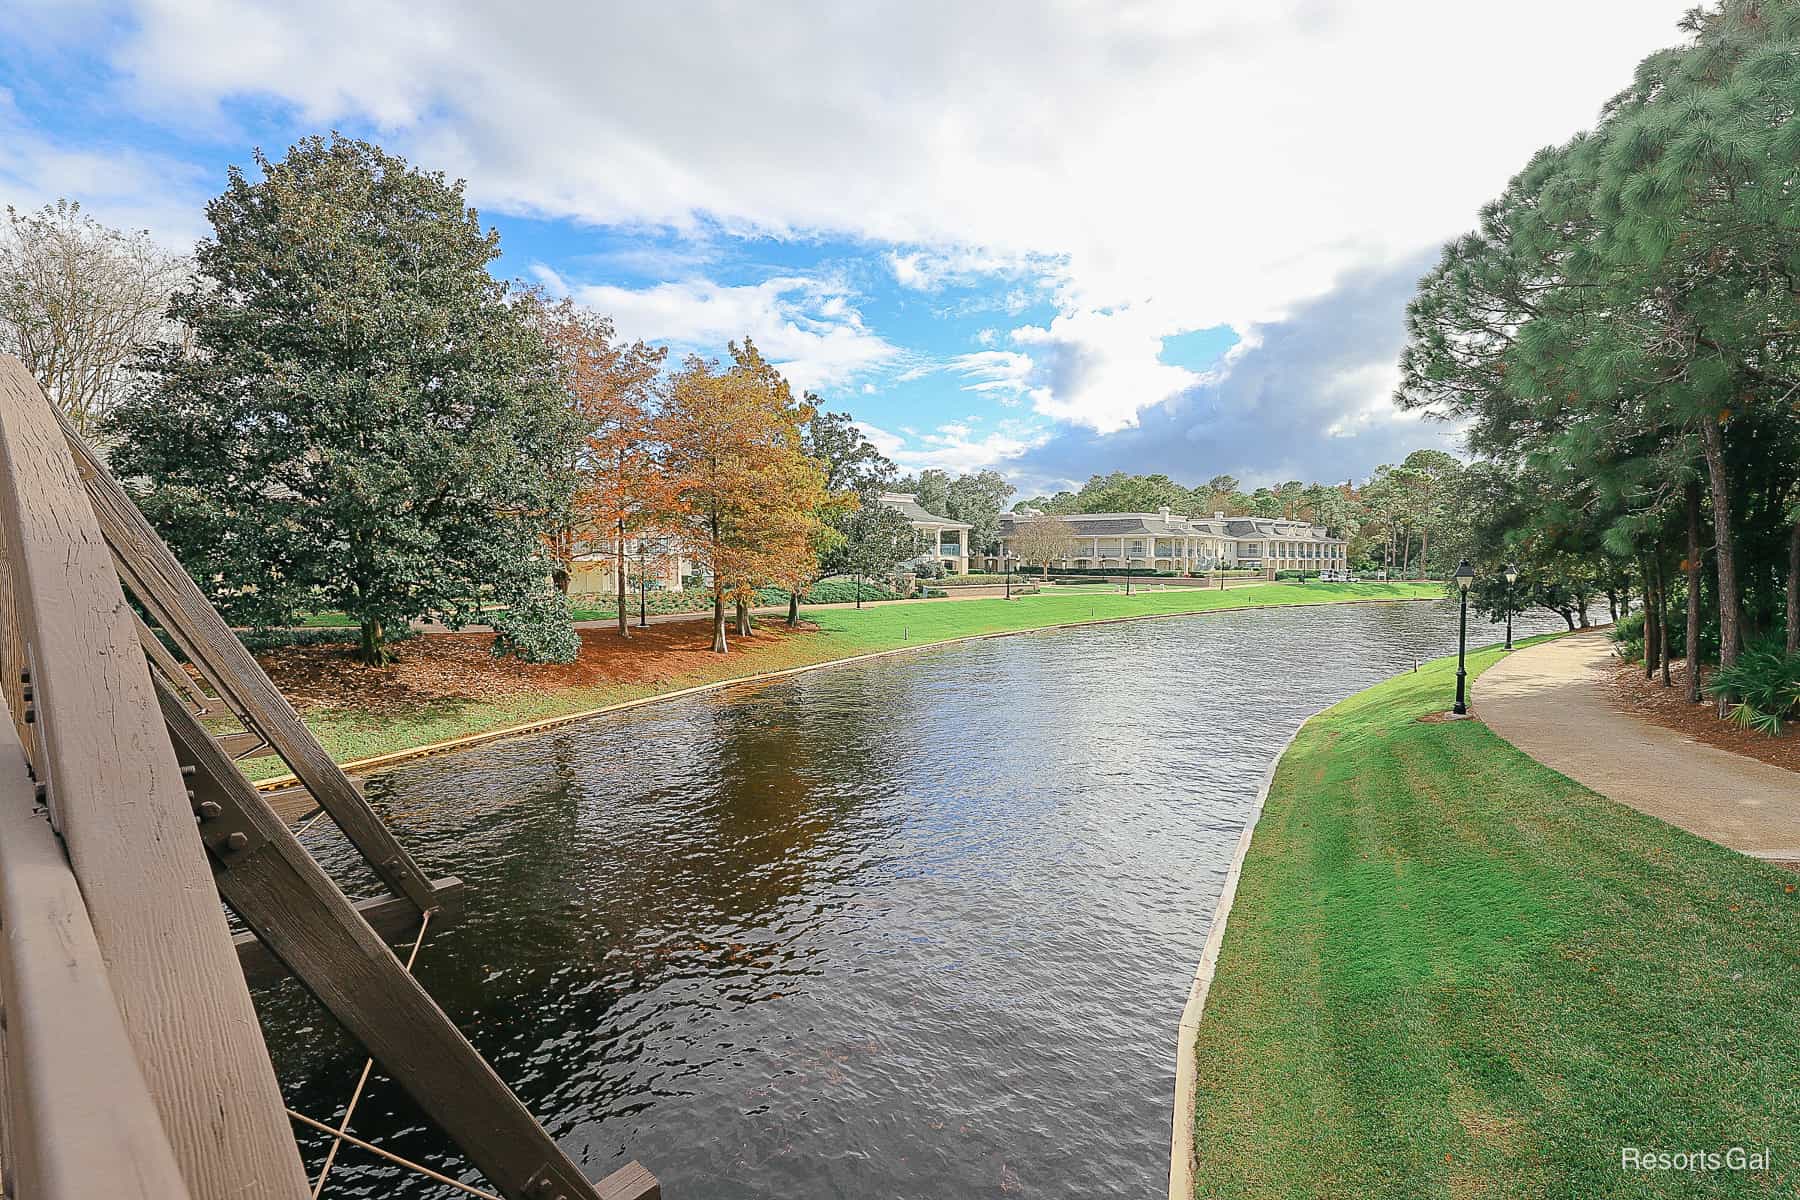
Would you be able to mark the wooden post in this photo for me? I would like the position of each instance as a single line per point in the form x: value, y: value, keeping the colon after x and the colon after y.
x: 116, y: 795
x: 78, y: 1118
x: 296, y: 910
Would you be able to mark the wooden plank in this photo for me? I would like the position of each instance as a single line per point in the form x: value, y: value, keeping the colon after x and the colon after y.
x: 159, y: 581
x: 393, y: 917
x: 629, y: 1182
x: 80, y: 1122
x: 117, y: 798
x: 163, y: 661
x: 296, y: 910
x: 241, y: 745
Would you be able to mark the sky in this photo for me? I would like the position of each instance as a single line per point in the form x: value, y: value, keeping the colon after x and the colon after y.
x: 1055, y: 238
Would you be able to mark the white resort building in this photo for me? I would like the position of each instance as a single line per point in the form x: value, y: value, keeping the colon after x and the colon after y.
x: 937, y: 538
x: 1166, y: 541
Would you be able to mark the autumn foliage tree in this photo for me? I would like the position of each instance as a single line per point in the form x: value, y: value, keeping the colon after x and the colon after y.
x: 618, y: 485
x: 744, y: 493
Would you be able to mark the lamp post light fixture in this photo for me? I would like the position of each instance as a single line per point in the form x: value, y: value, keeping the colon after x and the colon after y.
x: 1512, y: 577
x: 643, y: 585
x: 1465, y: 576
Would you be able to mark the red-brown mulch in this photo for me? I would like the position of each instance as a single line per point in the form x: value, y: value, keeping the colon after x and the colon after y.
x: 1649, y: 700
x: 461, y: 666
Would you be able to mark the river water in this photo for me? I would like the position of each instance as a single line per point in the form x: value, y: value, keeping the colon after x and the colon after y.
x: 917, y: 927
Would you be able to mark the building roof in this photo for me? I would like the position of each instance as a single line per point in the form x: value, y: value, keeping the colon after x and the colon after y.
x: 908, y: 506
x: 1178, y: 525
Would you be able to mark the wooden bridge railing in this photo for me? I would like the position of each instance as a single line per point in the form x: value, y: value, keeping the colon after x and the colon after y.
x: 80, y: 695
x: 133, y: 1061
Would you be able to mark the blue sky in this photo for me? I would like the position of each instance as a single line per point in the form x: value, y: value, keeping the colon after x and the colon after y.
x: 1054, y: 240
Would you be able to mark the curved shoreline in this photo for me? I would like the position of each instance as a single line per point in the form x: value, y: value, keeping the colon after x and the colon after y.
x: 381, y: 762
x: 1181, y: 1141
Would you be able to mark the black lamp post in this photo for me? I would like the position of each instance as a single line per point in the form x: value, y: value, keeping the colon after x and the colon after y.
x: 1465, y: 575
x: 1009, y: 583
x: 1512, y: 577
x: 643, y: 585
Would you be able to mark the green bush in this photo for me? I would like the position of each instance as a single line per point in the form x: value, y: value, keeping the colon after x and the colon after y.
x: 1764, y: 683
x: 1627, y: 634
x: 535, y: 627
x: 843, y: 591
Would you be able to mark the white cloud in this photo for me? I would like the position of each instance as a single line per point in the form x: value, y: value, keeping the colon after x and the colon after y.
x: 954, y: 447
x: 119, y: 185
x: 804, y: 325
x: 1184, y: 165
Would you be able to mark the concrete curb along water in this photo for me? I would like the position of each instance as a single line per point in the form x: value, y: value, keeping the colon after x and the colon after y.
x: 382, y: 762
x: 1181, y: 1144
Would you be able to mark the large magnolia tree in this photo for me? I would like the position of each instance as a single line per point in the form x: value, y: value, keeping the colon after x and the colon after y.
x: 364, y: 422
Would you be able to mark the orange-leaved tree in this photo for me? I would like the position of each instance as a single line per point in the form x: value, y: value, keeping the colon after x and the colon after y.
x: 743, y: 490
x: 619, y: 482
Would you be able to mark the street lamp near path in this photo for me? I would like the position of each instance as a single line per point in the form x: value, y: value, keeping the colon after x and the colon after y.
x: 643, y: 584
x: 1465, y: 576
x: 1512, y: 577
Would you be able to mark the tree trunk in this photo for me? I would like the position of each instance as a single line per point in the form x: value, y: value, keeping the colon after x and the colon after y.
x: 1612, y: 605
x: 1651, y: 641
x: 372, y: 650
x: 718, y: 620
x: 619, y: 547
x: 1793, y: 597
x: 1724, y: 546
x: 793, y: 607
x: 1425, y: 552
x: 559, y: 579
x: 1662, y: 617
x: 1692, y: 680
x: 1568, y: 616
x: 743, y: 617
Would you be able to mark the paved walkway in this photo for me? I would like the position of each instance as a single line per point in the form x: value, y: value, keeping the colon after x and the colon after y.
x: 1550, y: 700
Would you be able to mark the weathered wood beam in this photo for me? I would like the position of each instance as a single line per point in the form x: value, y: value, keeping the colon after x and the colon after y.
x: 115, y: 794
x: 79, y: 1119
x: 295, y: 909
x: 163, y: 586
x: 163, y: 661
x: 394, y: 918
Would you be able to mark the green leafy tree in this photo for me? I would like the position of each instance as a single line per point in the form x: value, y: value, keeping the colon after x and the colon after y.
x: 857, y: 535
x: 978, y: 499
x: 363, y: 421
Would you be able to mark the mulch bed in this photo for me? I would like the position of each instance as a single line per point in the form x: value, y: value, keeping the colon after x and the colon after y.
x: 1649, y: 700
x: 437, y: 667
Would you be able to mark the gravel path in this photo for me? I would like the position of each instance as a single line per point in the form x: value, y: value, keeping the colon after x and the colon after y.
x: 1551, y: 701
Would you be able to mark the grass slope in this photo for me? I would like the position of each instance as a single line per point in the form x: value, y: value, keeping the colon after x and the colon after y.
x: 1451, y: 971
x: 349, y: 733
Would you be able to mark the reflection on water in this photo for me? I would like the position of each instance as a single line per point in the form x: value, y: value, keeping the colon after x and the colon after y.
x: 918, y: 927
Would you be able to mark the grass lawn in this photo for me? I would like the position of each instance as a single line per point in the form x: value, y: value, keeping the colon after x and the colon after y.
x: 1450, y: 971
x: 379, y: 714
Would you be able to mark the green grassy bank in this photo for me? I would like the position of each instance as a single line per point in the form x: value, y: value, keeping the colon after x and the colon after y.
x: 350, y: 733
x: 1450, y: 971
